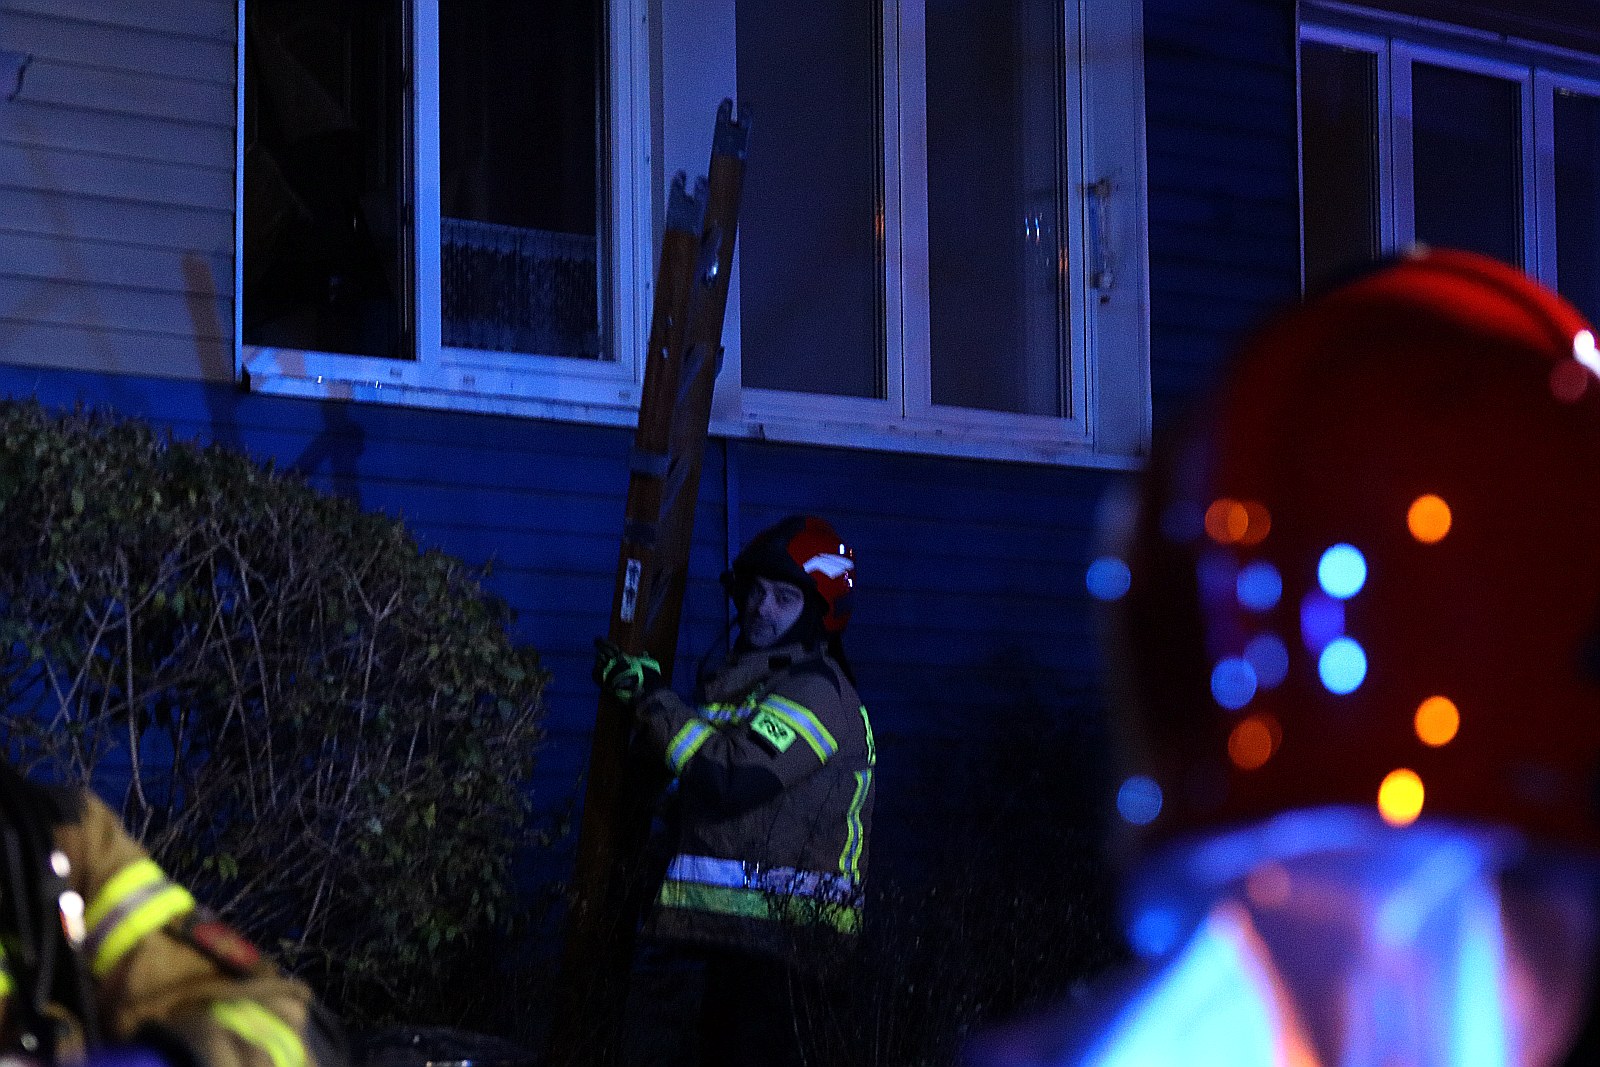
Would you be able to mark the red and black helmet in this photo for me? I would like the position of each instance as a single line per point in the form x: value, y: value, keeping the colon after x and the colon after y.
x: 805, y: 551
x: 1370, y: 573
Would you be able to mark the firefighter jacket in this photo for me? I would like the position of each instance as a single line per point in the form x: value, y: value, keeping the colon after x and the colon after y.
x: 774, y: 770
x: 157, y: 969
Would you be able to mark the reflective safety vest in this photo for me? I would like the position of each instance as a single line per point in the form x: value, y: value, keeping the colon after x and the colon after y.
x: 775, y: 781
x: 161, y: 969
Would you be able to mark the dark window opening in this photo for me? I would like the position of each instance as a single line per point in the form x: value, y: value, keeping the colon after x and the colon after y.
x: 1577, y: 133
x: 811, y: 222
x: 1467, y: 161
x: 519, y: 178
x: 1339, y: 146
x: 997, y: 250
x: 325, y: 247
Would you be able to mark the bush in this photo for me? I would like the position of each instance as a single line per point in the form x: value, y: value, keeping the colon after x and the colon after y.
x: 321, y: 729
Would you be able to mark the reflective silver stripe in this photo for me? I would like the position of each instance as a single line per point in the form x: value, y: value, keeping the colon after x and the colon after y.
x: 738, y: 874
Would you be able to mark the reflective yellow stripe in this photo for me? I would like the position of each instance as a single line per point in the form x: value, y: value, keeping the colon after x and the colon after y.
x: 255, y: 1024
x: 138, y: 875
x: 855, y: 835
x: 6, y: 986
x: 148, y: 917
x: 687, y: 741
x: 755, y: 904
x: 803, y: 722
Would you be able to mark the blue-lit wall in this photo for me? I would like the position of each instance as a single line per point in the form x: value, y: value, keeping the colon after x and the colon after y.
x: 972, y: 596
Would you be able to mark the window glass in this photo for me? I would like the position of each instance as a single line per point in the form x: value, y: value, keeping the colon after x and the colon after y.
x: 1467, y: 161
x: 811, y: 249
x: 518, y: 176
x: 1577, y: 150
x: 997, y: 260
x: 1339, y: 139
x: 324, y: 231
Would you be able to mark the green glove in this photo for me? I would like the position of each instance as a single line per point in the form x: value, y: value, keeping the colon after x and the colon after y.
x: 628, y: 678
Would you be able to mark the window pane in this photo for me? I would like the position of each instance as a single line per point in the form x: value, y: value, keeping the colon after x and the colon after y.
x: 324, y: 241
x: 1578, y: 201
x: 1467, y: 161
x: 1339, y: 153
x: 996, y: 248
x: 518, y: 176
x: 811, y: 221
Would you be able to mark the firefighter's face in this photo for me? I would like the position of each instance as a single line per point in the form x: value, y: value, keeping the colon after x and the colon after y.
x: 770, y: 608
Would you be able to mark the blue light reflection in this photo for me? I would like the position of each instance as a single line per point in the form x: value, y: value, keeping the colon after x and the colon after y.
x: 1342, y: 666
x: 1260, y: 586
x: 1108, y: 578
x: 1233, y: 683
x: 1268, y: 655
x: 1342, y: 571
x: 1139, y: 800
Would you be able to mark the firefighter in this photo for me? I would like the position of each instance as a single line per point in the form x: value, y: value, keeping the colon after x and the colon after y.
x: 1355, y: 621
x: 106, y: 960
x: 774, y: 771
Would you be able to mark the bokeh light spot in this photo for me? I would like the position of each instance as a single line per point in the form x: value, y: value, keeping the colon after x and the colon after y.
x: 1226, y: 521
x: 1437, y: 721
x: 1252, y: 742
x: 1321, y: 620
x: 1428, y: 519
x: 1400, y: 797
x: 1259, y: 586
x: 1342, y: 571
x: 1585, y: 351
x: 1108, y: 578
x: 1342, y: 666
x: 1257, y: 523
x: 1139, y: 800
x: 1270, y: 658
x: 1233, y: 683
x: 1568, y: 381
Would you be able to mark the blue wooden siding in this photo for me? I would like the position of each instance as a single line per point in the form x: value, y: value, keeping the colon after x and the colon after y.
x: 1222, y: 137
x: 971, y: 601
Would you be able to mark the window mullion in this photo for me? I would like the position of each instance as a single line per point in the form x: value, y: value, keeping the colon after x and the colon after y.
x: 1403, y: 222
x: 427, y: 312
x: 1544, y: 259
x: 906, y: 166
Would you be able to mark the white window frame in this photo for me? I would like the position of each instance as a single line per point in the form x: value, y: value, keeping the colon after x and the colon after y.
x: 1108, y: 393
x: 600, y: 391
x: 665, y: 129
x: 1397, y: 41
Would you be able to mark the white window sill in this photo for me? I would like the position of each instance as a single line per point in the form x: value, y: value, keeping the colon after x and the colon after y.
x: 278, y: 373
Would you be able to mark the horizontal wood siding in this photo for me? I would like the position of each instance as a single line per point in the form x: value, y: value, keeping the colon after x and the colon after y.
x: 117, y: 176
x: 116, y: 258
x: 1224, y: 212
x: 970, y: 611
x: 972, y: 601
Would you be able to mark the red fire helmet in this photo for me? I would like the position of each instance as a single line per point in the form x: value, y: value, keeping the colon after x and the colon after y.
x: 805, y: 551
x: 1369, y: 574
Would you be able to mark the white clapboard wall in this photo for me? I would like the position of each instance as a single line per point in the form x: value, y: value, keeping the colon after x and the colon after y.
x: 117, y: 123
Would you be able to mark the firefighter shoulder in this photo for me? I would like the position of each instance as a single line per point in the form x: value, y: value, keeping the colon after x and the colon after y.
x: 163, y: 971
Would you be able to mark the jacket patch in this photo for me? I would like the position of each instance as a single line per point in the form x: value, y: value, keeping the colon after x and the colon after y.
x: 222, y: 944
x: 773, y: 730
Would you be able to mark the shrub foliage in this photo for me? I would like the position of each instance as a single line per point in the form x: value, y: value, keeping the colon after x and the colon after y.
x: 323, y: 730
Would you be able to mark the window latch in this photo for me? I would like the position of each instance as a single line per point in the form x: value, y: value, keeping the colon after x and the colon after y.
x: 1102, y: 275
